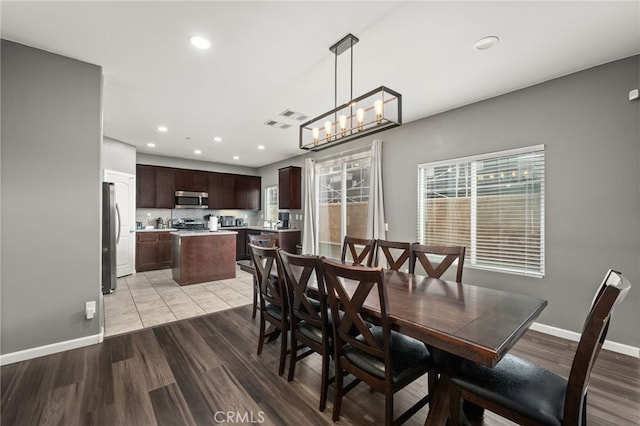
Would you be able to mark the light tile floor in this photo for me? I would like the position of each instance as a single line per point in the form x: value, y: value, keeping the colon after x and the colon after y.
x: 146, y: 299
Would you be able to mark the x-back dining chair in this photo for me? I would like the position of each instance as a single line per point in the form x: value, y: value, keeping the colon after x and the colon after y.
x: 263, y: 240
x: 309, y: 316
x: 449, y: 254
x: 396, y: 253
x: 384, y: 359
x: 359, y: 251
x: 274, y: 300
x: 531, y: 395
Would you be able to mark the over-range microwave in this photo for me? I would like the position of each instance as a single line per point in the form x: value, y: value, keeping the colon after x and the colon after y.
x: 192, y: 200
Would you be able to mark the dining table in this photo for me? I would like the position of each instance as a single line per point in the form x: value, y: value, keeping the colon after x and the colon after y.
x: 471, y: 321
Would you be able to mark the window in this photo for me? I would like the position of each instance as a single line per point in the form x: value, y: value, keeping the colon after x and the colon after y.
x: 492, y: 204
x: 271, y: 203
x: 343, y: 194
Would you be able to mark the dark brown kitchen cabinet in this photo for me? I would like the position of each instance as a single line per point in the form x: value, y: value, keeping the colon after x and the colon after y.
x: 191, y: 180
x: 241, y: 244
x: 165, y: 188
x: 154, y: 187
x: 145, y: 186
x: 222, y: 191
x: 153, y: 251
x: 287, y: 241
x: 248, y: 189
x: 289, y: 191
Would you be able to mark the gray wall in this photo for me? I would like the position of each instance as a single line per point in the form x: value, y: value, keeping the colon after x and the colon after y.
x: 592, y: 138
x: 118, y: 156
x: 51, y: 195
x: 182, y: 163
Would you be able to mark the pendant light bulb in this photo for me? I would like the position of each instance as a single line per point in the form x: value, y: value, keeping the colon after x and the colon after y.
x: 378, y: 106
x: 360, y: 117
x: 316, y: 134
x: 327, y: 129
x: 343, y: 124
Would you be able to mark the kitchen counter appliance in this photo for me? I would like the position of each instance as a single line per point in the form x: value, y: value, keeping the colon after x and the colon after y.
x: 227, y: 221
x: 188, y: 224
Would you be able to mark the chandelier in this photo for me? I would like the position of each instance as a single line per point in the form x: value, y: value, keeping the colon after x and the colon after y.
x: 375, y: 111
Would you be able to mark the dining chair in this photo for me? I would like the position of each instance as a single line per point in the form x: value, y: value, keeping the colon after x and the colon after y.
x: 531, y: 395
x: 274, y: 301
x: 360, y: 250
x: 384, y: 359
x: 396, y: 253
x: 421, y: 253
x: 309, y: 316
x: 264, y: 240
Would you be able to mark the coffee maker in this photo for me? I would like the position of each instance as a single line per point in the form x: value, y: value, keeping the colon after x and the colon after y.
x: 283, y: 217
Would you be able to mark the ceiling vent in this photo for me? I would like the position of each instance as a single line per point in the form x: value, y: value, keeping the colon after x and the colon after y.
x: 277, y: 124
x: 293, y: 115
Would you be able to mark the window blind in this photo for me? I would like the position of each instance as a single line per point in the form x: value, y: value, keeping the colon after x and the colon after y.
x: 493, y: 204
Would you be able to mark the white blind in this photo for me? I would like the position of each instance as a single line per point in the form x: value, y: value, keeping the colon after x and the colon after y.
x: 493, y: 204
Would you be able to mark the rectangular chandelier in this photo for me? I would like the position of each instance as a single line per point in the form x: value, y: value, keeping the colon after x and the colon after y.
x: 375, y: 111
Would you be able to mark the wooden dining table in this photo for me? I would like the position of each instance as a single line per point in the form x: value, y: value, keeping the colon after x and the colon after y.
x: 473, y: 322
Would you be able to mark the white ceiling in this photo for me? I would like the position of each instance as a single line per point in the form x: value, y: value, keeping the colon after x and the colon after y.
x: 267, y: 57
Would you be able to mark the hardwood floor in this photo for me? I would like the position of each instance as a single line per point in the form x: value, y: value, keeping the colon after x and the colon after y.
x: 204, y: 370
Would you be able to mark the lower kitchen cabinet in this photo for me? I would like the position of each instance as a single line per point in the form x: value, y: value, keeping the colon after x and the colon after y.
x: 153, y: 251
x: 287, y: 241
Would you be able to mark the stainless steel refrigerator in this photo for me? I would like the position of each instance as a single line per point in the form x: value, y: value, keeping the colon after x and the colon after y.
x: 109, y: 227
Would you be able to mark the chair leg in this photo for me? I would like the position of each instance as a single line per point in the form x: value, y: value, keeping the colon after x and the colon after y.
x: 262, y: 336
x: 283, y: 352
x: 337, y: 404
x: 325, y: 381
x: 388, y: 409
x: 455, y: 406
x: 293, y: 356
x: 432, y: 379
x: 255, y: 297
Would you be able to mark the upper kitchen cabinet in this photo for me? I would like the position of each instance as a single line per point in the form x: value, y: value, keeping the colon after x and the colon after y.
x: 289, y: 194
x: 154, y: 187
x: 248, y: 189
x: 222, y: 191
x: 191, y: 180
x: 165, y: 188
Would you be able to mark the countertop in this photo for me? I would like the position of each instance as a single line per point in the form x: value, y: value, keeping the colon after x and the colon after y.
x: 259, y: 228
x: 202, y: 233
x: 157, y: 230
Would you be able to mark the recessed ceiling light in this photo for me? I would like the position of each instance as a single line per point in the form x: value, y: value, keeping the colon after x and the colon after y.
x: 486, y: 42
x: 217, y: 139
x: 260, y: 146
x: 151, y: 145
x: 235, y: 157
x: 199, y: 42
x: 163, y: 129
x: 197, y: 152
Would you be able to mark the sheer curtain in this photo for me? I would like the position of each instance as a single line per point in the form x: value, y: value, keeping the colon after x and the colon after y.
x: 308, y: 209
x: 375, y: 213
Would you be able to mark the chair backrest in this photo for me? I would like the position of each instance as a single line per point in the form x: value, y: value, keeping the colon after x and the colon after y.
x: 396, y: 253
x: 265, y: 240
x: 361, y: 250
x: 299, y: 271
x: 420, y: 253
x: 267, y: 266
x: 612, y: 291
x: 369, y: 280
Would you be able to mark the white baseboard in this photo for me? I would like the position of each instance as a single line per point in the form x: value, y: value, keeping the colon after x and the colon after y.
x: 51, y: 349
x: 575, y: 337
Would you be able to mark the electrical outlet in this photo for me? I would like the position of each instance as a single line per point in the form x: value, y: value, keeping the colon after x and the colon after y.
x: 90, y: 309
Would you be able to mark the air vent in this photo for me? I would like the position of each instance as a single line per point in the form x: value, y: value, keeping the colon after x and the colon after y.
x: 294, y: 115
x: 277, y: 124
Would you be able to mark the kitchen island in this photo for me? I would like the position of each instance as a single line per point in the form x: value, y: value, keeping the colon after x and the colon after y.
x: 201, y: 256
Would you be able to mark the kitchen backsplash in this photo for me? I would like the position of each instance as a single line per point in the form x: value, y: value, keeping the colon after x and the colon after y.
x: 148, y: 217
